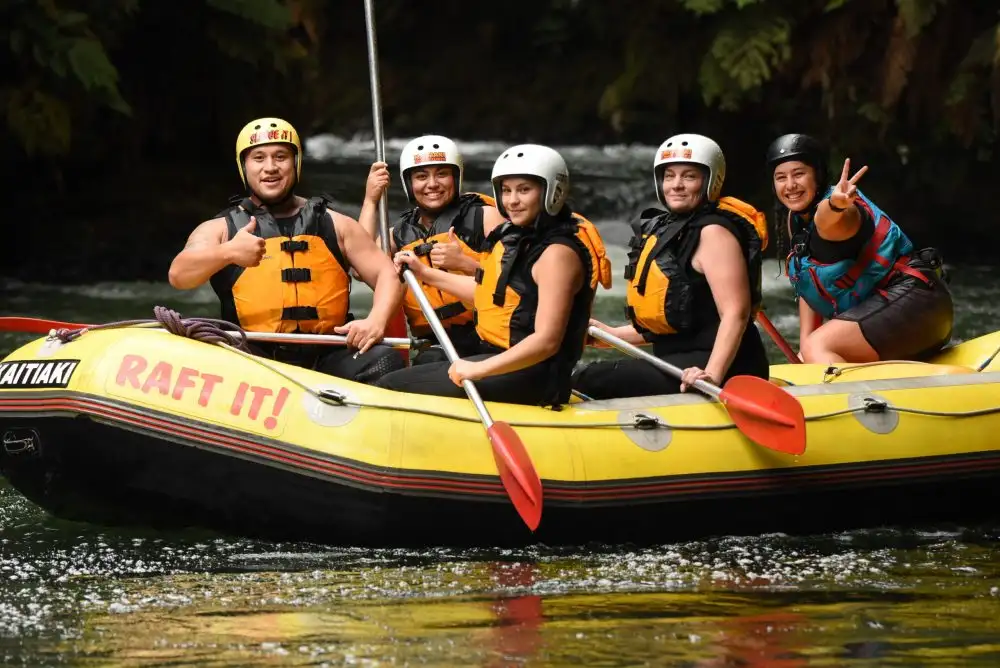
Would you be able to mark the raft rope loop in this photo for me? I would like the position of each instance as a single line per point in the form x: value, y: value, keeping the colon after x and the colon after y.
x: 214, y: 331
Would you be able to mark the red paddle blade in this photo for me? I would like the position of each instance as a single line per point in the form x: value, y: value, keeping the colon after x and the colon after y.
x: 517, y: 473
x: 766, y: 414
x: 34, y: 325
x: 396, y: 328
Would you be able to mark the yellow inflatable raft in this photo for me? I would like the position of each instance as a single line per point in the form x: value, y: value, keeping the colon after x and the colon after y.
x: 143, y: 426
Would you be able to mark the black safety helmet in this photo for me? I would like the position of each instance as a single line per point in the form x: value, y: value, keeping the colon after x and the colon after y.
x: 799, y: 147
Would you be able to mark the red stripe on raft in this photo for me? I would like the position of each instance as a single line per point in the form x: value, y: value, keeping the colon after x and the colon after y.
x: 598, y: 491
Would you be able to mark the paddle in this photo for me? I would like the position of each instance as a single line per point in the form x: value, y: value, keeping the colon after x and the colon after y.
x: 763, y: 412
x: 396, y: 327
x: 778, y: 339
x: 513, y: 462
x: 39, y: 326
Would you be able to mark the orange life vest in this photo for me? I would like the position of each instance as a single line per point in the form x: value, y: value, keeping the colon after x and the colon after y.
x: 599, y: 261
x: 660, y: 297
x: 466, y: 216
x: 506, y: 294
x: 302, y: 284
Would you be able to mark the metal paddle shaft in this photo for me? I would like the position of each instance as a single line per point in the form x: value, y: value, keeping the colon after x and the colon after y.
x: 28, y: 325
x: 639, y: 353
x: 517, y: 473
x: 383, y: 207
x: 762, y: 411
x: 320, y: 339
x: 446, y: 344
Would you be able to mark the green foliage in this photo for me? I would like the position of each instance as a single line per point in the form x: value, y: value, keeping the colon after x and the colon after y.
x: 40, y: 121
x: 703, y: 6
x: 270, y: 14
x: 742, y: 57
x: 53, y: 48
x: 63, y: 68
x: 917, y: 14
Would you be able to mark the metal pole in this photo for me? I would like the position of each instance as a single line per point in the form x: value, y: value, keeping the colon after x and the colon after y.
x: 449, y: 349
x: 383, y: 205
x: 641, y: 354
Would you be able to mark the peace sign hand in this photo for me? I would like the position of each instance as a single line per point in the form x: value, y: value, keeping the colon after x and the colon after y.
x: 846, y: 190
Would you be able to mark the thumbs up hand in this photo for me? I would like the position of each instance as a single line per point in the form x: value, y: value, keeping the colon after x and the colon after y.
x: 448, y: 255
x: 246, y: 249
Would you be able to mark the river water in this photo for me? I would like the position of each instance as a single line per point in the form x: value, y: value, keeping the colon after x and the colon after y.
x: 76, y: 594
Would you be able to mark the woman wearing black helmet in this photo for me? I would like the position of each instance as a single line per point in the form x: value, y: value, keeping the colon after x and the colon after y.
x: 852, y: 266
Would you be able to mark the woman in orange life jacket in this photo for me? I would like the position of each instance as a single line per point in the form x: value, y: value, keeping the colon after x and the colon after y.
x: 282, y: 263
x: 445, y: 229
x: 532, y: 293
x: 853, y: 266
x: 694, y: 281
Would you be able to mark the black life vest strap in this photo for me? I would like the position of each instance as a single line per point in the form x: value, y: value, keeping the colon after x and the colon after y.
x: 669, y: 234
x: 450, y: 310
x: 320, y: 205
x: 424, y: 249
x: 299, y: 313
x: 296, y: 275
x: 296, y: 246
x: 500, y: 293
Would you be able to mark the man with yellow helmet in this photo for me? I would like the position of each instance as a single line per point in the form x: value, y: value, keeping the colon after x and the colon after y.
x: 281, y: 263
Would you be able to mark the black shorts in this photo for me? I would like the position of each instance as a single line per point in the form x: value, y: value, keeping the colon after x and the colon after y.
x: 536, y: 385
x: 612, y: 379
x: 908, y: 319
x: 463, y: 337
x: 338, y: 361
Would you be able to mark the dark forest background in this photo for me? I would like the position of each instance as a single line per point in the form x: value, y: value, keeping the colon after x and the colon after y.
x: 120, y: 115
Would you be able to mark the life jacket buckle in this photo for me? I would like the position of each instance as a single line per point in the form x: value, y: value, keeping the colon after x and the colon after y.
x: 424, y: 248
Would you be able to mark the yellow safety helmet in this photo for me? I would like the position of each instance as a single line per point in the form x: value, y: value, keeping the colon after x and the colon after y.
x: 267, y: 131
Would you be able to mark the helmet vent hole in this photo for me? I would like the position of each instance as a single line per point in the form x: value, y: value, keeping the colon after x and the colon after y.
x: 520, y: 155
x: 256, y: 127
x: 437, y: 145
x: 684, y: 143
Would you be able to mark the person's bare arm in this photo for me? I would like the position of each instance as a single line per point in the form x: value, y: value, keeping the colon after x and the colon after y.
x: 458, y: 285
x: 559, y: 275
x: 207, y: 251
x: 843, y: 224
x: 491, y: 218
x: 720, y: 258
x: 378, y: 182
x: 376, y: 269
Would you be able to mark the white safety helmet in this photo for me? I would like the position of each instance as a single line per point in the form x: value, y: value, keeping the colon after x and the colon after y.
x: 429, y: 151
x: 533, y: 160
x: 690, y: 148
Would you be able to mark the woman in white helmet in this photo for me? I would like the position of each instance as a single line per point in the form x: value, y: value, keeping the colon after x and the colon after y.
x: 445, y: 228
x: 694, y: 280
x: 531, y: 294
